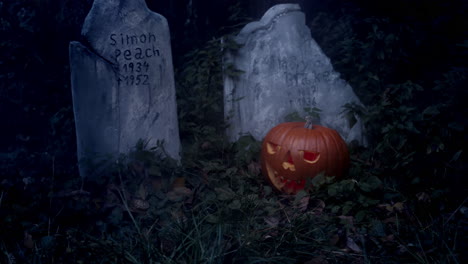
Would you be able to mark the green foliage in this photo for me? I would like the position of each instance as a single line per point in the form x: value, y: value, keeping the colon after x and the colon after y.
x: 200, y: 97
x: 410, y: 122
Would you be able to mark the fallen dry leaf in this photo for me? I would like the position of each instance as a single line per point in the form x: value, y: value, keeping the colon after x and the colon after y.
x: 62, y: 194
x: 334, y: 239
x: 142, y: 191
x: 272, y: 221
x: 387, y: 207
x: 205, y: 145
x: 423, y: 197
x: 167, y: 246
x: 392, y: 219
x: 317, y: 206
x: 389, y: 238
x: 399, y: 207
x: 352, y: 245
x: 157, y: 183
x: 179, y: 193
x: 303, y: 204
x: 178, y: 215
x: 348, y: 222
x: 178, y: 182
x: 138, y: 167
x: 138, y: 204
x: 254, y: 168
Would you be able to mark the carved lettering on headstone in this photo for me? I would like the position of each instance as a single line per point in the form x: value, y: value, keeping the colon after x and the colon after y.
x: 132, y: 53
x: 285, y: 72
x: 122, y: 83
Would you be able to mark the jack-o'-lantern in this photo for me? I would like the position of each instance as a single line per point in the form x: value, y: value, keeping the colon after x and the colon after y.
x: 295, y: 151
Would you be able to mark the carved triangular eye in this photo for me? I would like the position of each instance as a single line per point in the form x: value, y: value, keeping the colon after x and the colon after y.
x: 310, y: 157
x: 272, y: 148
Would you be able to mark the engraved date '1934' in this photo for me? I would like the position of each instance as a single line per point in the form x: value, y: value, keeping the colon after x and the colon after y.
x: 134, y: 73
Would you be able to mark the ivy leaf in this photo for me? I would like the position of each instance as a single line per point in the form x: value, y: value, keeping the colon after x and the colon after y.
x: 431, y: 111
x: 178, y: 194
x: 333, y: 190
x: 230, y: 171
x: 335, y: 209
x: 235, y: 205
x: 319, y: 180
x: 352, y: 245
x: 360, y: 216
x: 224, y: 194
x: 272, y: 221
x: 154, y: 171
x: 347, y: 208
x: 301, y: 194
x: 370, y: 184
x: 377, y: 228
x: 116, y: 216
x: 456, y: 126
x: 267, y: 190
x: 270, y: 210
x: 47, y: 242
x: 211, y: 218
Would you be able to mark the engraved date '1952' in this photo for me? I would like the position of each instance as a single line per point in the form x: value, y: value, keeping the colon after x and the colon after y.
x: 134, y: 73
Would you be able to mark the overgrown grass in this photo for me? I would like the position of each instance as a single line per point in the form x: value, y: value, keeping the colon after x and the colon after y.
x: 220, y: 213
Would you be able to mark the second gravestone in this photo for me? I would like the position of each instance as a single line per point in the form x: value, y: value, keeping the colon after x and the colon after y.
x: 122, y: 83
x: 285, y: 72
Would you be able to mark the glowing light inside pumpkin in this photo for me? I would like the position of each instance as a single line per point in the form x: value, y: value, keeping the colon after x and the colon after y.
x: 310, y: 157
x: 280, y: 182
x: 272, y: 148
x: 296, y: 155
x: 289, y: 164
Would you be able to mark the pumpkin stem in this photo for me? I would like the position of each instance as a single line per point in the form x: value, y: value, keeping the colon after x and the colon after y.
x: 308, y: 123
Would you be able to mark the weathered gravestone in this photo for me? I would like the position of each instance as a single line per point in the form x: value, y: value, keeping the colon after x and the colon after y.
x: 285, y: 72
x: 122, y: 83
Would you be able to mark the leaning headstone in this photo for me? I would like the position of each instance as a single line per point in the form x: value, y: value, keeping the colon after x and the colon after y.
x: 122, y: 83
x: 284, y: 72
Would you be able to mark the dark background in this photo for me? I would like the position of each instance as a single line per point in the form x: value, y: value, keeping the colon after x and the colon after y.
x: 35, y: 97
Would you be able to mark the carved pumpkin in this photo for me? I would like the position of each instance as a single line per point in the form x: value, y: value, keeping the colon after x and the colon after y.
x: 295, y: 151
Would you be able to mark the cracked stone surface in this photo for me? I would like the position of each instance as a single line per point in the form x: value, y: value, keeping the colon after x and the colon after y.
x: 122, y: 83
x: 285, y: 73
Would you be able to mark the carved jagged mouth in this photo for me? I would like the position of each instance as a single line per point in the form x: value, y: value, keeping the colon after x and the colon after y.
x: 277, y: 181
x: 281, y: 182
